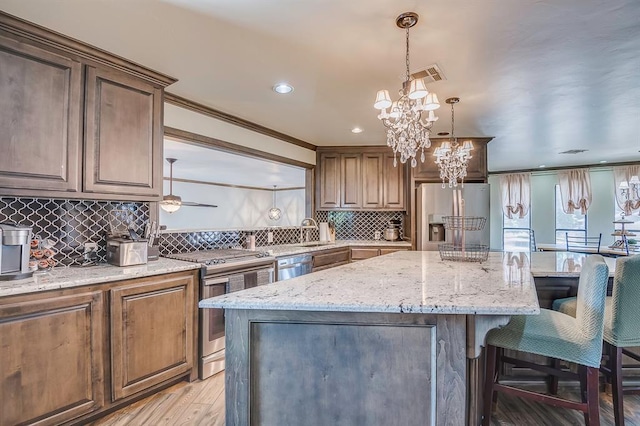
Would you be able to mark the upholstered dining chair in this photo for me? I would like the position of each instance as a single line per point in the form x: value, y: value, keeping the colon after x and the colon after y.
x: 621, y: 326
x: 558, y: 336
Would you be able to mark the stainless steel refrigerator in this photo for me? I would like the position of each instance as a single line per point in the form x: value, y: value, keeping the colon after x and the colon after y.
x: 435, y: 202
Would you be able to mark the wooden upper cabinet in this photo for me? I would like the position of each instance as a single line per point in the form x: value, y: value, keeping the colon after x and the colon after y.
x: 123, y: 135
x: 366, y: 179
x: 351, y: 181
x: 372, y: 180
x: 51, y: 359
x: 328, y: 185
x: 393, y: 184
x: 151, y: 332
x: 476, y: 168
x: 40, y: 118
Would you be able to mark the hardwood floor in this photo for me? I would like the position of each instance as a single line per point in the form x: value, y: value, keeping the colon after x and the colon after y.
x: 202, y: 403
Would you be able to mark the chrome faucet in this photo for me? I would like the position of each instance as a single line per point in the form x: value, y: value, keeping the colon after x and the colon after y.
x: 308, y: 223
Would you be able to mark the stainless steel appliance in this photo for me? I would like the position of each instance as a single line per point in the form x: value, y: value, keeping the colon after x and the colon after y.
x: 15, y: 243
x: 224, y: 271
x: 126, y: 252
x: 434, y: 202
x: 294, y: 266
x: 392, y: 232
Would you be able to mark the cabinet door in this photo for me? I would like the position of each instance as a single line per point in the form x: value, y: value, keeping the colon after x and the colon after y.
x: 52, y: 371
x: 329, y: 181
x: 40, y: 118
x: 476, y: 168
x: 123, y: 135
x: 351, y: 185
x: 151, y: 332
x: 372, y: 181
x: 384, y: 251
x: 393, y: 184
x: 330, y: 259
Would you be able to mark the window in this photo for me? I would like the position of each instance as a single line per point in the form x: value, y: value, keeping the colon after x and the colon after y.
x: 515, y: 233
x: 574, y: 224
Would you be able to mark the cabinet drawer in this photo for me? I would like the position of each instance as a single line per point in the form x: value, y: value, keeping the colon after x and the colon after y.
x: 328, y: 258
x: 391, y: 250
x: 364, y: 253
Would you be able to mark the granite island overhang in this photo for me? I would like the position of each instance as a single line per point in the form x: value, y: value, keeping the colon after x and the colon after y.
x: 390, y: 340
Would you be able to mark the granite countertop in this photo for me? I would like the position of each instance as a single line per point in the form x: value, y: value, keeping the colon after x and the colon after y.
x: 404, y: 281
x: 67, y: 277
x: 291, y: 249
x: 561, y: 263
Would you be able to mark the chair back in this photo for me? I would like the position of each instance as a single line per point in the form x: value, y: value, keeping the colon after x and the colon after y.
x: 583, y: 244
x: 532, y: 241
x: 625, y: 304
x: 592, y: 292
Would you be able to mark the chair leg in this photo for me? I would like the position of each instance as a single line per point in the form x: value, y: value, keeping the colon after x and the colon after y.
x: 489, y: 380
x: 552, y: 380
x: 592, y: 415
x: 616, y: 383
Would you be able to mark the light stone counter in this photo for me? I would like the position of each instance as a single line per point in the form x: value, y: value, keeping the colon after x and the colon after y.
x: 559, y: 263
x: 67, y: 277
x: 401, y: 282
x: 282, y: 250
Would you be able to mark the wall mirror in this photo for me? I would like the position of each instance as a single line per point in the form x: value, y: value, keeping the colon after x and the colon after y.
x: 241, y: 186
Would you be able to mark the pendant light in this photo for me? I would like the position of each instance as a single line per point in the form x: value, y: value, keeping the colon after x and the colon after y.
x: 171, y: 203
x: 274, y: 212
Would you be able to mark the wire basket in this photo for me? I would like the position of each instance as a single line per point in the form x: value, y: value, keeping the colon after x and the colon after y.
x: 468, y: 253
x: 468, y: 223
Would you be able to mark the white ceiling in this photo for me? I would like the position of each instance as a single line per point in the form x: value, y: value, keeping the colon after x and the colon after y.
x: 541, y: 76
x: 209, y: 165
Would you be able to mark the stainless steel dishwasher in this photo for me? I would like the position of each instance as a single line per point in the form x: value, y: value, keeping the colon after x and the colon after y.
x: 294, y: 266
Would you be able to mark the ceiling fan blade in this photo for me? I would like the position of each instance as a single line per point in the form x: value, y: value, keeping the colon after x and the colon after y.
x: 192, y: 204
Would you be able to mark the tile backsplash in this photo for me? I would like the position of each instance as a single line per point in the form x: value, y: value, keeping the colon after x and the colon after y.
x: 70, y: 223
x: 359, y: 225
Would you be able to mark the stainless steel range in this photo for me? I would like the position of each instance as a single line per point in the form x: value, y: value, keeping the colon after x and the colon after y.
x: 224, y: 271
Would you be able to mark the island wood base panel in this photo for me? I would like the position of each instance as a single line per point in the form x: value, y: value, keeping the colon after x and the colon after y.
x: 318, y: 368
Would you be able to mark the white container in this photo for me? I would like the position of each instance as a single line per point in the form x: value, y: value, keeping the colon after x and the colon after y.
x: 251, y: 242
x: 323, y: 228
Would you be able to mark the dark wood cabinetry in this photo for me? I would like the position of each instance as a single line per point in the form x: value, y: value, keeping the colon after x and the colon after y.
x: 123, y: 136
x: 362, y: 178
x: 41, y: 119
x: 361, y: 253
x: 331, y: 258
x: 69, y: 355
x: 151, y: 333
x: 51, y: 358
x: 51, y: 87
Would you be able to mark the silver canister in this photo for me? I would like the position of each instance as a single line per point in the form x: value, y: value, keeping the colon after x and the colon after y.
x: 124, y: 252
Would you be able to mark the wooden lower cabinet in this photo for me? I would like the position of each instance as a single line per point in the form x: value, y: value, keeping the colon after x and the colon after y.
x: 330, y: 258
x: 151, y: 333
x: 369, y: 252
x: 68, y: 356
x: 51, y: 359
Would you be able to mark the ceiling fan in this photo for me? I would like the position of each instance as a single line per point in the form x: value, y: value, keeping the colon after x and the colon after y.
x: 171, y: 203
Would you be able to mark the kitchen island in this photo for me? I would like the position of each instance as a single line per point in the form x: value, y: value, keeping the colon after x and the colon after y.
x: 390, y: 340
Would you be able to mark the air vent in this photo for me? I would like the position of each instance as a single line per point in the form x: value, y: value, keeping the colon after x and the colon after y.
x: 431, y: 74
x: 574, y: 151
x: 443, y: 133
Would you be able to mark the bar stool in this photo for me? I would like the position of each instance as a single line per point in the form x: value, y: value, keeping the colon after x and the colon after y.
x: 621, y: 326
x: 556, y: 335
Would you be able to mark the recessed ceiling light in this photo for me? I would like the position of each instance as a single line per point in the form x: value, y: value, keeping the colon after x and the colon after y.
x: 357, y: 130
x: 603, y: 161
x: 283, y: 88
x: 542, y: 166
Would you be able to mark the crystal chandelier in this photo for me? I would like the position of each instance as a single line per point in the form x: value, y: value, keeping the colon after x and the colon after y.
x: 451, y: 157
x: 407, y: 132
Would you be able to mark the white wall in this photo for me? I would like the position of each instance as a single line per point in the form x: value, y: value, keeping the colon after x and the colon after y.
x: 237, y: 208
x: 600, y: 215
x: 191, y: 121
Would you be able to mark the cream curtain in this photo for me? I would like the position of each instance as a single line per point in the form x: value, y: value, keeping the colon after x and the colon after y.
x: 627, y: 187
x: 575, y: 190
x: 516, y: 194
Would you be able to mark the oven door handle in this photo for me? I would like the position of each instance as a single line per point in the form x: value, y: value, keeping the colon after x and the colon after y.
x: 214, y: 281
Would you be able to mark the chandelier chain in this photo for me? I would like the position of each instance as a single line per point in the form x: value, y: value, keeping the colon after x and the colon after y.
x: 407, y: 55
